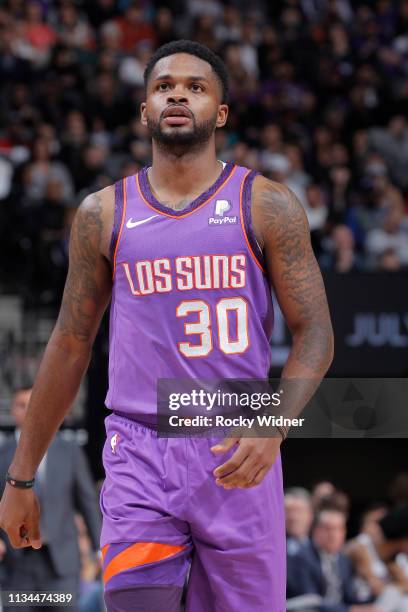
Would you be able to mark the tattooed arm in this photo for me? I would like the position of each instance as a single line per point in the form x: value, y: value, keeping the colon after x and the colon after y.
x: 283, y: 233
x: 86, y: 295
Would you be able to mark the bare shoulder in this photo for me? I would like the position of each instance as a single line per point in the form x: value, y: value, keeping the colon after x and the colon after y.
x: 276, y: 212
x: 94, y: 219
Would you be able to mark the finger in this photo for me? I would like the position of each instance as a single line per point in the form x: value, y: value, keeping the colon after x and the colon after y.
x: 243, y: 476
x: 224, y: 445
x: 259, y: 477
x: 248, y: 469
x: 32, y: 526
x: 17, y: 536
x: 233, y: 463
x: 24, y: 539
x: 33, y: 534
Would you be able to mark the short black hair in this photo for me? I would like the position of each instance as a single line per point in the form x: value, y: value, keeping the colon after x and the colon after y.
x: 394, y: 525
x: 191, y: 48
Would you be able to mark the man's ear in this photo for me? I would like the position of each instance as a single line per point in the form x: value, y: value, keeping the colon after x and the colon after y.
x: 222, y: 115
x: 143, y: 117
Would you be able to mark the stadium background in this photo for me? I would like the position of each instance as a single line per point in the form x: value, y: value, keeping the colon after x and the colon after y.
x: 319, y: 93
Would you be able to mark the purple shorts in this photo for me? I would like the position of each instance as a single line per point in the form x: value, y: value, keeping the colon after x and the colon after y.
x: 162, y: 511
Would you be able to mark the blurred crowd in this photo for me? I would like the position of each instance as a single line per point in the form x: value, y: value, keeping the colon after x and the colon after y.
x: 326, y: 572
x: 319, y: 93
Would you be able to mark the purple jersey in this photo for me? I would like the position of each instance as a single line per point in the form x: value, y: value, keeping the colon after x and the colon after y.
x: 190, y: 296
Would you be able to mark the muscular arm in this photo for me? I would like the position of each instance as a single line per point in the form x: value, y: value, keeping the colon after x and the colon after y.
x: 282, y: 231
x: 86, y: 295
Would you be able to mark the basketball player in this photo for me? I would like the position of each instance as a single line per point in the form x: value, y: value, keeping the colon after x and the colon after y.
x: 188, y: 250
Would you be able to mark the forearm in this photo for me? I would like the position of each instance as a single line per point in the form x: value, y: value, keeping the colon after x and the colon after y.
x: 283, y: 233
x: 376, y: 584
x: 312, y: 351
x: 309, y: 359
x: 399, y: 577
x: 55, y: 389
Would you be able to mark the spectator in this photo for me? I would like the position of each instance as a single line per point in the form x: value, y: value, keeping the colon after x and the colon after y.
x: 73, y: 29
x: 230, y: 27
x: 323, y: 569
x: 93, y: 165
x: 340, y: 183
x: 298, y: 179
x: 392, y: 144
x: 63, y: 483
x: 132, y: 67
x: 391, y: 237
x: 379, y: 195
x: 41, y: 170
x: 341, y: 255
x: 320, y: 491
x: 13, y: 66
x: 375, y: 556
x: 337, y: 500
x: 37, y: 36
x: 107, y: 103
x: 211, y: 8
x: 298, y: 518
x: 164, y: 26
x: 111, y: 37
x: 272, y: 146
x: 74, y: 138
x: 316, y: 208
x: 133, y: 27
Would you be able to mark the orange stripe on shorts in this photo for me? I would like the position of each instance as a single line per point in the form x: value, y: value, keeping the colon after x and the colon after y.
x: 104, y: 550
x: 140, y: 553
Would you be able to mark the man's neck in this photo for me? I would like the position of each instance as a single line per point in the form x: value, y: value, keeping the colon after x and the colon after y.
x: 175, y: 180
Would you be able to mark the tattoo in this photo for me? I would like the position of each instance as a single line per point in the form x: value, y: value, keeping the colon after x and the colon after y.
x: 286, y: 227
x: 82, y: 293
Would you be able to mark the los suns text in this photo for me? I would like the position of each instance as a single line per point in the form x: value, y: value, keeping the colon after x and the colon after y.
x: 184, y: 273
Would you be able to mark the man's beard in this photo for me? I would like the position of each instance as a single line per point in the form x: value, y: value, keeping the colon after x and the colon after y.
x: 181, y: 141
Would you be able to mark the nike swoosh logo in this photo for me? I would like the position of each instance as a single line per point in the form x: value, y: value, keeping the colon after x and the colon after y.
x: 130, y: 224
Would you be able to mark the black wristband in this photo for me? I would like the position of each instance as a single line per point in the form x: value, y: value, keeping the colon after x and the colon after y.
x: 19, y: 484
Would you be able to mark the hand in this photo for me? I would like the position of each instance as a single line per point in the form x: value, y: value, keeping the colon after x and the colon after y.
x: 249, y: 464
x: 20, y: 517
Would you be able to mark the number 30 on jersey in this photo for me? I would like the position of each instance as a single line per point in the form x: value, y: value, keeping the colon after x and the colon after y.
x: 229, y: 320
